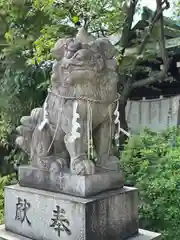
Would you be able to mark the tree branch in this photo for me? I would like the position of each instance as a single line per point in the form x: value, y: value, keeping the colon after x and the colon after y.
x: 123, y: 42
x: 152, y: 79
x: 162, y: 39
x: 130, y: 11
x: 155, y: 18
x: 160, y: 76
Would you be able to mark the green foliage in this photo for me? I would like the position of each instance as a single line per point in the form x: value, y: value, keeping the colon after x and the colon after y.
x: 29, y: 30
x: 4, y: 181
x: 35, y: 25
x: 151, y: 162
x: 20, y: 92
x: 176, y: 10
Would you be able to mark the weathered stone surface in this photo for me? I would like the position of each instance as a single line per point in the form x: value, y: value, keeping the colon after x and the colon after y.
x: 146, y: 235
x: 66, y: 182
x: 109, y: 216
x: 80, y: 113
x: 143, y: 235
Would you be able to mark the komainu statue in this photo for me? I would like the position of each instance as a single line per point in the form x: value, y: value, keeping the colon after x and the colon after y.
x: 80, y: 114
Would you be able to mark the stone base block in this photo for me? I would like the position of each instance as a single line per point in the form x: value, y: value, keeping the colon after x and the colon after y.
x: 42, y: 215
x: 142, y: 235
x: 65, y: 182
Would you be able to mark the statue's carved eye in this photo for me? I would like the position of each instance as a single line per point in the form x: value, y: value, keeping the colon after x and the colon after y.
x: 78, y: 56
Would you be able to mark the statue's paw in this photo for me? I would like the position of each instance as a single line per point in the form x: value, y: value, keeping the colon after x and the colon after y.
x: 22, y: 143
x: 107, y: 162
x: 85, y: 167
x: 58, y: 165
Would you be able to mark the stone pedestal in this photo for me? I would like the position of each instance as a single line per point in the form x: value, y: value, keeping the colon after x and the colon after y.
x: 68, y: 183
x: 40, y: 208
x: 111, y: 215
x: 142, y: 235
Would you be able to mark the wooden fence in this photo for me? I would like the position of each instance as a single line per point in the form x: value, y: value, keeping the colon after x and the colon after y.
x: 156, y: 114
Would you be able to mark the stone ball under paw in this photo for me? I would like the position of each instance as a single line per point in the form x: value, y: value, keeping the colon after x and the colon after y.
x: 55, y: 167
x: 85, y: 167
x: 58, y: 165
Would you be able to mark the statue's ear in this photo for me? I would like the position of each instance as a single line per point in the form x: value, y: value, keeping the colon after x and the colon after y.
x: 59, y: 48
x: 106, y: 48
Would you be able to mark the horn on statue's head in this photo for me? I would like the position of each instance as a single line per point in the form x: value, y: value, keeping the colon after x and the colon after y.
x: 83, y: 36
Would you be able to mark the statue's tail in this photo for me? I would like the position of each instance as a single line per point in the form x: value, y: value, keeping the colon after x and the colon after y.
x: 27, y: 127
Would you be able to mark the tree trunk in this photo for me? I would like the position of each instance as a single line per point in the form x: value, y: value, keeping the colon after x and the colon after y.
x: 127, y: 83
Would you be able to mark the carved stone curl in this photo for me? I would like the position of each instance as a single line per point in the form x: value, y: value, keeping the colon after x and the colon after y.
x: 78, y: 113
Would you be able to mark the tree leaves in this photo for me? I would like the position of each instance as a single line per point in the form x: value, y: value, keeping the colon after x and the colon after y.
x: 152, y: 163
